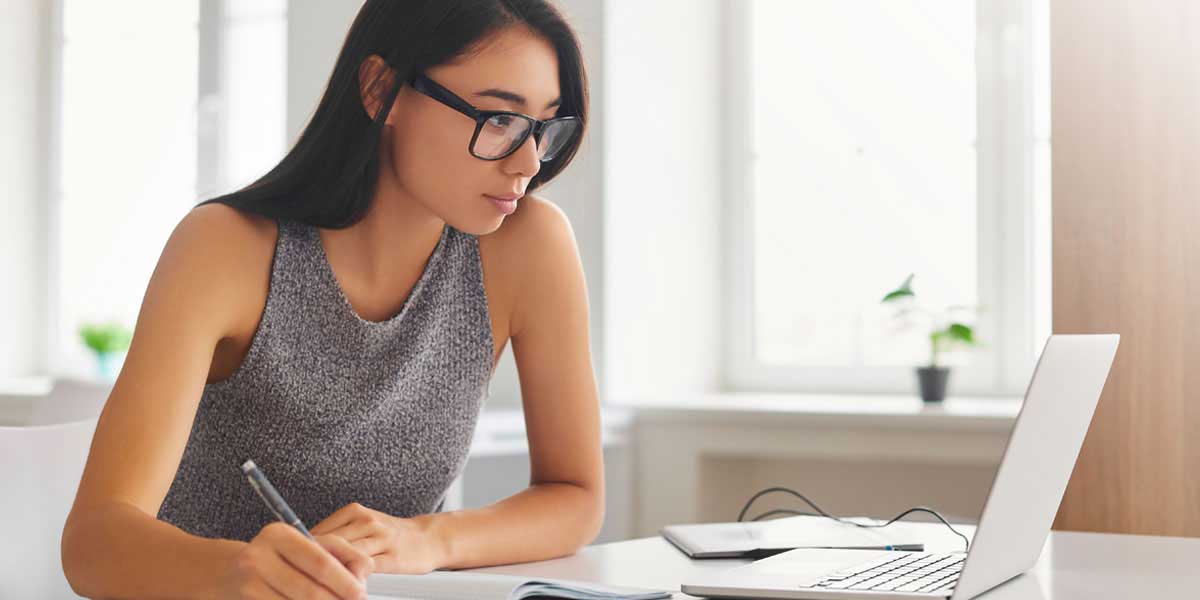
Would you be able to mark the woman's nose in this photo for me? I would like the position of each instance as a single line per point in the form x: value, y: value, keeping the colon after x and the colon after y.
x: 524, y: 161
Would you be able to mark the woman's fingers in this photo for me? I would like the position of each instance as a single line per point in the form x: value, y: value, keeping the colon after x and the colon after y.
x: 291, y: 581
x: 340, y: 517
x: 319, y: 565
x: 353, y: 557
x: 372, y: 546
x: 261, y: 589
x: 357, y: 530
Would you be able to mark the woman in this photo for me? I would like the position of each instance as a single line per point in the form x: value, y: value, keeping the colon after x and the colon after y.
x: 338, y: 321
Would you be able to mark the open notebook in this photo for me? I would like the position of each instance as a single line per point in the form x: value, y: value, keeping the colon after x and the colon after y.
x: 457, y: 585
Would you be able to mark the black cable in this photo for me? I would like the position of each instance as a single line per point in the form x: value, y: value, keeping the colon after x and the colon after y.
x: 784, y: 511
x: 822, y: 513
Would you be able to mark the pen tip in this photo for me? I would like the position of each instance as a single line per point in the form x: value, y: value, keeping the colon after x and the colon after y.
x: 246, y: 466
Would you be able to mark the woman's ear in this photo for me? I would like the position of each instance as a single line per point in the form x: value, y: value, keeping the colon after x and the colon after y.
x: 375, y: 79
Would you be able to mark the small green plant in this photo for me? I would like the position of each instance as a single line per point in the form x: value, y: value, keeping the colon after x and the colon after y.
x: 948, y: 333
x: 105, y: 338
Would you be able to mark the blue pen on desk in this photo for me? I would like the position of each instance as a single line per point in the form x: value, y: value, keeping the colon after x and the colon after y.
x: 274, y: 501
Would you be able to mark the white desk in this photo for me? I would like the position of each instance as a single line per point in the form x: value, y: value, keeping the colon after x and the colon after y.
x: 1073, y: 566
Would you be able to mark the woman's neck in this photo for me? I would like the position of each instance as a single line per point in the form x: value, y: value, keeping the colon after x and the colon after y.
x: 395, y: 237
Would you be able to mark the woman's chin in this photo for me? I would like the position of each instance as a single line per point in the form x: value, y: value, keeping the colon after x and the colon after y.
x: 481, y: 225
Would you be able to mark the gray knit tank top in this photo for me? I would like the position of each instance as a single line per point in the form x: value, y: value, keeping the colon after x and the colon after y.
x: 335, y: 409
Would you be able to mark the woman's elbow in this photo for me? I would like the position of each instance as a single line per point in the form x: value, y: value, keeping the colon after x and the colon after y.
x: 596, y: 520
x: 74, y: 557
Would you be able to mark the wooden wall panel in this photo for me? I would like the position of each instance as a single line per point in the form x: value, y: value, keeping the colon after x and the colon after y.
x: 1126, y: 238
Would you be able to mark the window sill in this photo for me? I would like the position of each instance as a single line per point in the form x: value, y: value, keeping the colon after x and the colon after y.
x: 43, y: 400
x: 501, y: 432
x: 845, y: 410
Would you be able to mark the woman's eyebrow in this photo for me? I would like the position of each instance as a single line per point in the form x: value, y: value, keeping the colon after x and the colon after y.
x: 515, y: 98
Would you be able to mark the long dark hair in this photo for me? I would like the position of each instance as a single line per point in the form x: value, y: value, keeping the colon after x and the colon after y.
x: 328, y: 178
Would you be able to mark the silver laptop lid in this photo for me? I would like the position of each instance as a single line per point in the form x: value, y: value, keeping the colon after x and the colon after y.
x: 1038, y: 460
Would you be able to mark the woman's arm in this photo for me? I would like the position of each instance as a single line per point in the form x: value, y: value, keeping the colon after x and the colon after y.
x: 563, y: 508
x: 113, y: 546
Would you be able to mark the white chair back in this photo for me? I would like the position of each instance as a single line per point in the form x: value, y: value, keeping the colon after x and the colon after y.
x: 40, y: 465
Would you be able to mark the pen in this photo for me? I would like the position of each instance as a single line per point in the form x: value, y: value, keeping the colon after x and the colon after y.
x: 274, y: 501
x: 758, y: 553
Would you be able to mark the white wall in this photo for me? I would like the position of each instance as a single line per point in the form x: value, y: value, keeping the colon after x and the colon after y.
x: 25, y: 81
x: 844, y: 487
x: 316, y: 29
x: 662, y: 203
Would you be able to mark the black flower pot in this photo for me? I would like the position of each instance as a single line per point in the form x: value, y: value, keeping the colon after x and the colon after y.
x: 933, y: 383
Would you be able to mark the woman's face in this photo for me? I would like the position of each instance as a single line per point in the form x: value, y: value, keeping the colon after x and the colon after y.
x: 429, y: 142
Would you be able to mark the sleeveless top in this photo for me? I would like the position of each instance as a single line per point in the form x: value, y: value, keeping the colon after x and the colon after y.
x: 336, y: 409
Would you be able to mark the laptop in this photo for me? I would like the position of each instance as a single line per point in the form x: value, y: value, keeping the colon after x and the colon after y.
x: 1021, y: 505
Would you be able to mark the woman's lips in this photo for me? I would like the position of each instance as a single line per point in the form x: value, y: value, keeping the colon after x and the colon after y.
x: 505, y: 196
x: 505, y: 206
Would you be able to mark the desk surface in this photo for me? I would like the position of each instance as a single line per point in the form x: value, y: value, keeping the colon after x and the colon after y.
x: 1072, y: 566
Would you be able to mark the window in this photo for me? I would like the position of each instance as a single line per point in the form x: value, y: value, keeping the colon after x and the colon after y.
x: 867, y: 140
x: 134, y: 153
x: 128, y: 157
x: 243, y: 91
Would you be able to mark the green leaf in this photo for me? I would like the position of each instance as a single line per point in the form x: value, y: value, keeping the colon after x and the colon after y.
x: 961, y: 333
x: 904, y: 291
x: 105, y: 337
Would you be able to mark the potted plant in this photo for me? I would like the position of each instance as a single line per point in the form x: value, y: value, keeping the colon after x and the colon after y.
x: 946, y: 333
x: 106, y: 340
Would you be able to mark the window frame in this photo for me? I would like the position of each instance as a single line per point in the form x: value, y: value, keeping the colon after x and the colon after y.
x: 1010, y: 278
x: 57, y: 359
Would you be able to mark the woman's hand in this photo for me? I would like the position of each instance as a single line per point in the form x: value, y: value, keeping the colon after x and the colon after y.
x: 397, y: 545
x: 281, y: 563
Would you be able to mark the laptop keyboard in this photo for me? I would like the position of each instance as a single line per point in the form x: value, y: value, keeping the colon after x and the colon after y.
x: 907, y: 572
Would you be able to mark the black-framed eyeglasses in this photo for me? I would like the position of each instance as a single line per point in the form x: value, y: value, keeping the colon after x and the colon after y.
x: 498, y: 133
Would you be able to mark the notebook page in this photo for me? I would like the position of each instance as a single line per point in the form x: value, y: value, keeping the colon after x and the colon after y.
x: 579, y: 590
x: 442, y: 585
x: 451, y: 585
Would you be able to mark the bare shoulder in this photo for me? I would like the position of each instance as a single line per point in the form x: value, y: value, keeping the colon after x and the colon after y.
x: 215, y: 238
x: 537, y: 225
x: 220, y: 256
x: 537, y: 234
x: 534, y: 258
x: 219, y: 224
